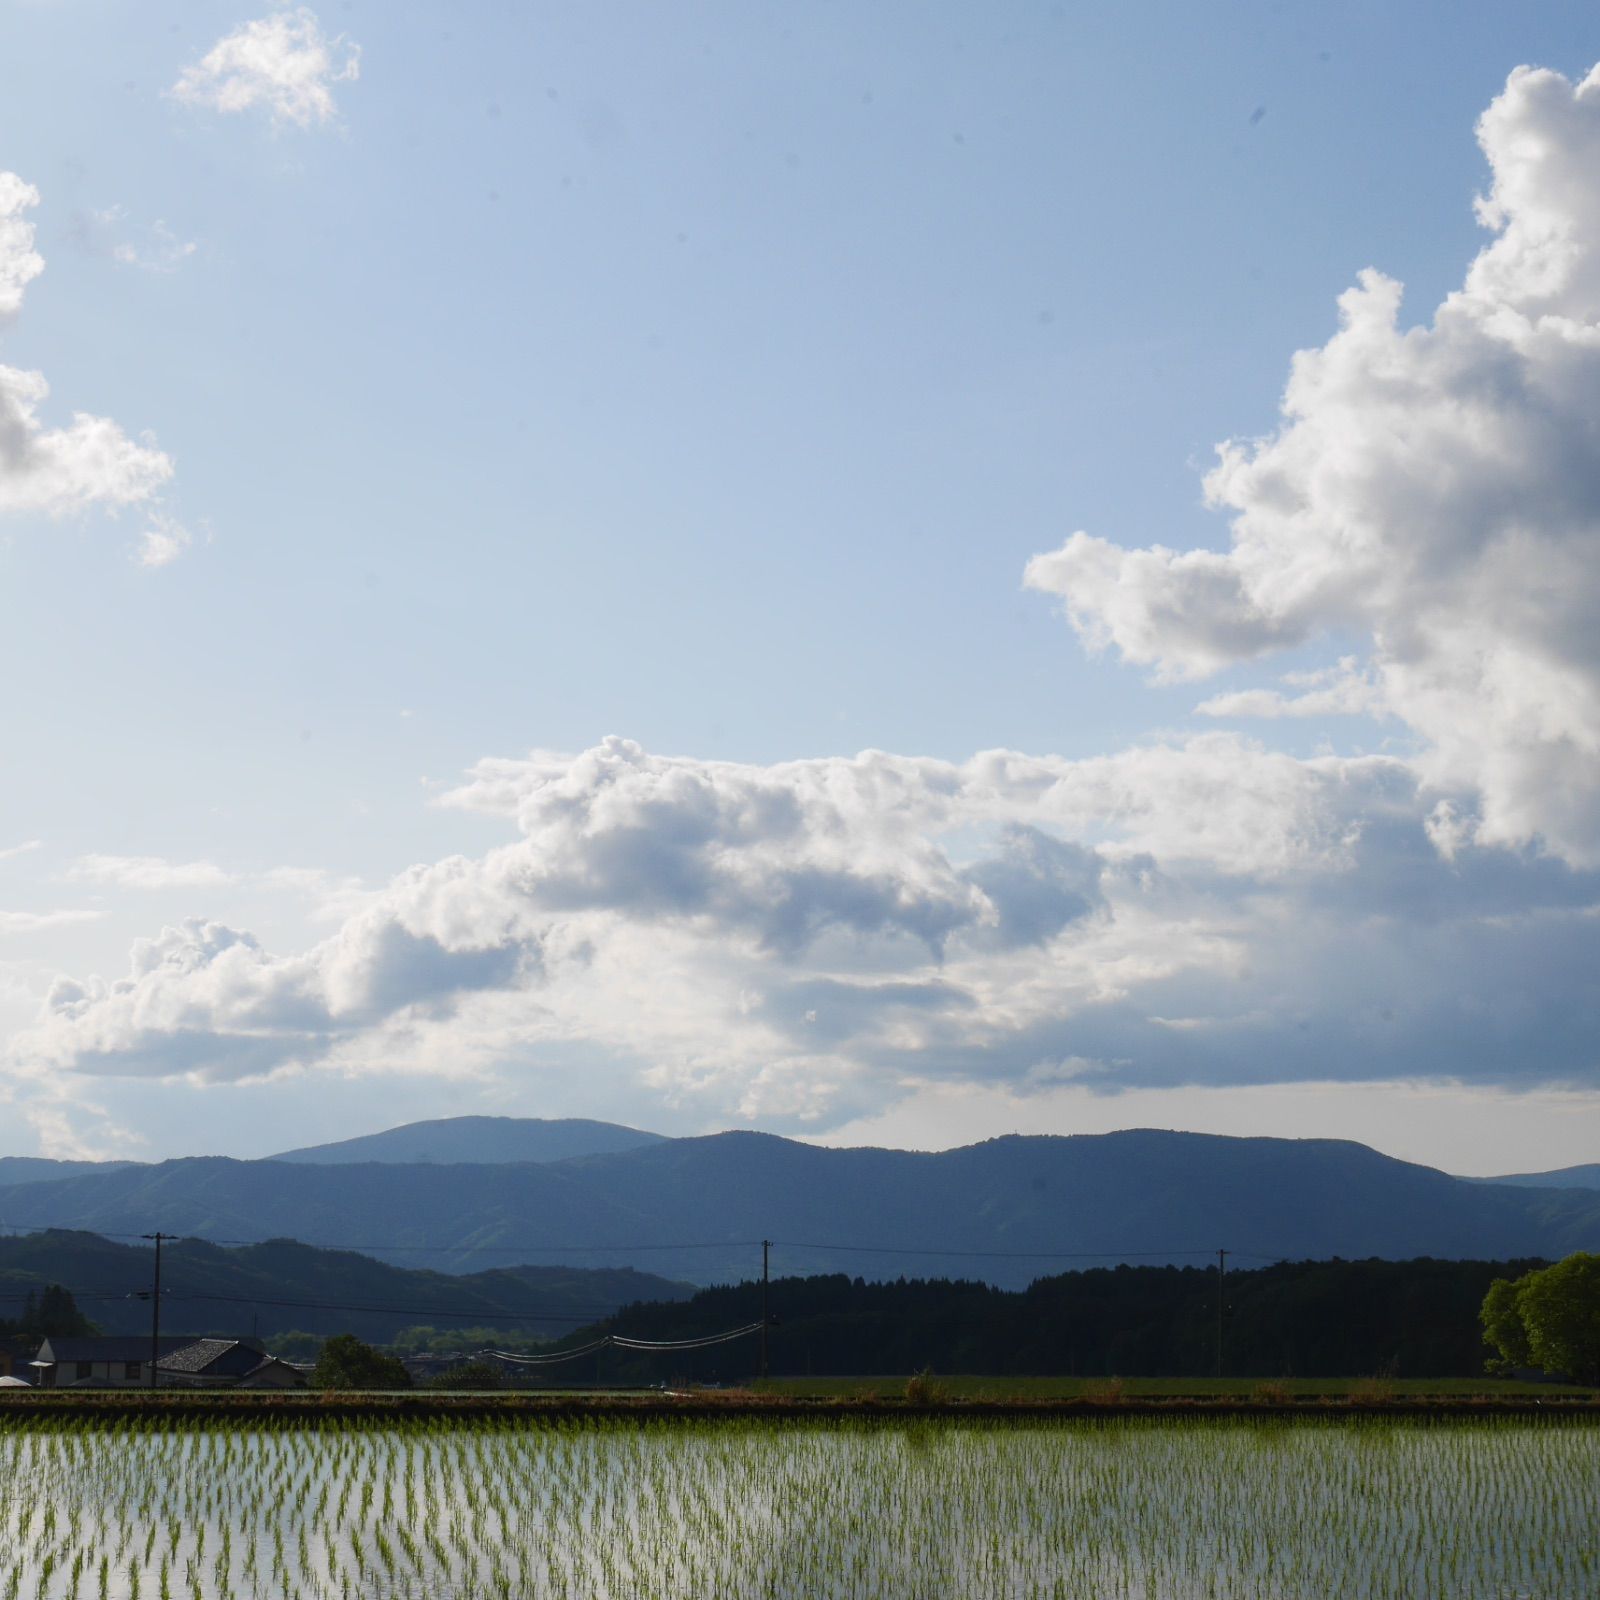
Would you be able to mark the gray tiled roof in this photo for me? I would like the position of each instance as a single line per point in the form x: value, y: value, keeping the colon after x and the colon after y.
x: 198, y: 1356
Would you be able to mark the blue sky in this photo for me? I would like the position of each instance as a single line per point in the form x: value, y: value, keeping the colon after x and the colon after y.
x: 708, y: 376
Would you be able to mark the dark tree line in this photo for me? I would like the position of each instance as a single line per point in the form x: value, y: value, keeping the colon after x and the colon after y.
x: 1295, y: 1319
x: 47, y: 1313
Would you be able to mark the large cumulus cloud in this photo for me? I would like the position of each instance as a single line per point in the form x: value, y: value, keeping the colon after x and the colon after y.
x: 1433, y: 488
x: 797, y: 941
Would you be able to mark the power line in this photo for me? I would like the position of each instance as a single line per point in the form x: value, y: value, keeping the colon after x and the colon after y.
x: 550, y: 1360
x: 619, y: 1341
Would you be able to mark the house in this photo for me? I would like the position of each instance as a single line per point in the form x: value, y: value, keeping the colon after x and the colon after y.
x: 103, y: 1362
x: 226, y: 1364
x: 185, y: 1362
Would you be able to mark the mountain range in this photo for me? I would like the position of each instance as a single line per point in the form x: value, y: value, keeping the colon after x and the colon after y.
x: 1005, y: 1211
x: 1584, y: 1177
x: 479, y: 1140
x: 281, y: 1285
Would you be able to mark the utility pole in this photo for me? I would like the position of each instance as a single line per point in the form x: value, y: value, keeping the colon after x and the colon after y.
x: 766, y: 1246
x: 155, y: 1307
x: 1222, y: 1274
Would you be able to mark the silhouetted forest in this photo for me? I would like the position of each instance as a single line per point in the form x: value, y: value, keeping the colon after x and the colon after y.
x: 1302, y: 1319
x: 44, y: 1313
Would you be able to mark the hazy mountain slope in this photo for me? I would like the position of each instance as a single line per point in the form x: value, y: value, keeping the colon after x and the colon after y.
x: 371, y: 1298
x: 1125, y: 1193
x: 37, y: 1169
x: 1584, y: 1177
x: 421, y: 1215
x: 483, y: 1140
x: 1137, y: 1195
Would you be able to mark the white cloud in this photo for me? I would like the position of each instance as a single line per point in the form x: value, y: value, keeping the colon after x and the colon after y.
x: 13, y: 850
x: 163, y: 541
x: 1450, y: 830
x: 328, y: 896
x: 796, y: 942
x: 155, y: 248
x: 160, y: 251
x: 36, y: 921
x: 147, y: 872
x: 1341, y: 691
x: 332, y: 896
x: 62, y: 470
x: 20, y: 263
x: 1435, y: 488
x: 282, y: 64
x: 57, y: 471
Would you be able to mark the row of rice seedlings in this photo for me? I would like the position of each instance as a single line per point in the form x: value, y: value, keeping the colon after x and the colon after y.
x: 1133, y: 1508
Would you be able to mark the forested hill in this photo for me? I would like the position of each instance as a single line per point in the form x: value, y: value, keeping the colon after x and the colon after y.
x: 1302, y: 1319
x: 39, y: 1169
x: 1006, y: 1210
x: 1583, y: 1177
x: 277, y: 1286
x: 489, y: 1141
x: 483, y: 1141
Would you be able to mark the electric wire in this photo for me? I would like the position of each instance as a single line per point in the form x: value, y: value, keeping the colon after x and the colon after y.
x: 617, y: 1341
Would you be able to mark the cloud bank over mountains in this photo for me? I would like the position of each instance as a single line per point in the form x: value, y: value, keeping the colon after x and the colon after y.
x: 804, y: 942
x: 798, y: 942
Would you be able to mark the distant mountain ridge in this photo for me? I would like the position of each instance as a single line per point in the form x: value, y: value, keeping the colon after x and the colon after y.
x: 492, y: 1141
x: 35, y: 1169
x: 1581, y: 1177
x: 276, y: 1286
x: 485, y: 1141
x: 1006, y: 1210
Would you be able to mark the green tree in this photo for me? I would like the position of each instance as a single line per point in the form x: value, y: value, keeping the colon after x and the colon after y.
x: 1502, y: 1326
x: 296, y: 1346
x: 1548, y: 1318
x: 53, y: 1314
x: 347, y: 1363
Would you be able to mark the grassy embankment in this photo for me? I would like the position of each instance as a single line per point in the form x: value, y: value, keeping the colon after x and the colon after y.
x: 837, y: 1397
x: 968, y: 1387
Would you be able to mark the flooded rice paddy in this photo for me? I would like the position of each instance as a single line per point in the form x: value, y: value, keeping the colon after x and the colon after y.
x: 1134, y: 1508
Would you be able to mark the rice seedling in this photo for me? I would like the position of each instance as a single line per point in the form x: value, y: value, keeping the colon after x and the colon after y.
x: 1139, y: 1508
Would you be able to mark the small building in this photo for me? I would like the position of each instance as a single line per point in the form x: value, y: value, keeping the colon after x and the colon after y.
x: 123, y: 1362
x: 226, y: 1364
x: 116, y: 1361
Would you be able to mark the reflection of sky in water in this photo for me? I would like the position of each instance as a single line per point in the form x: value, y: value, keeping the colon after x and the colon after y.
x: 1148, y: 1509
